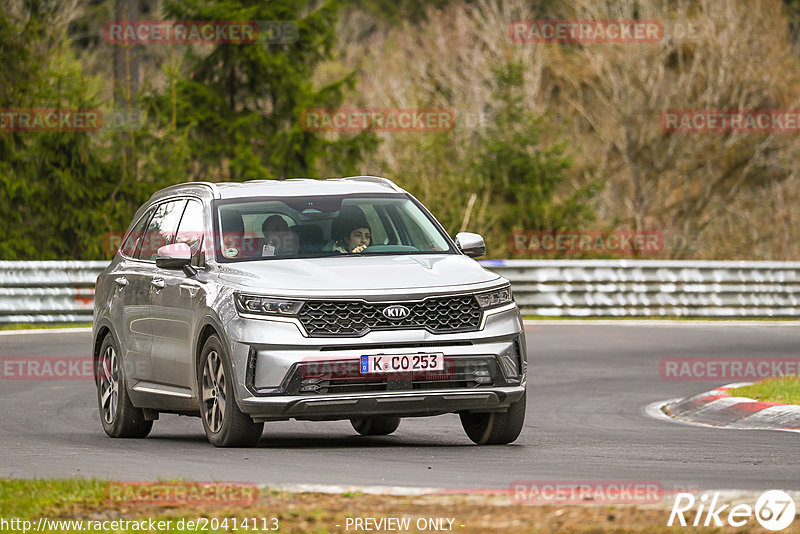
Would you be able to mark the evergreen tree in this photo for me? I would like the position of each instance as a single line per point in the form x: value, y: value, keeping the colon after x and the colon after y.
x: 528, y: 182
x: 52, y: 184
x: 238, y: 110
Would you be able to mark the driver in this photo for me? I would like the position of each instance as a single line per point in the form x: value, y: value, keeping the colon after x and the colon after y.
x: 356, y: 237
x: 350, y: 230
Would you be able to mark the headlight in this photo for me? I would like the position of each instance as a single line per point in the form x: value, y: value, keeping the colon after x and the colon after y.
x: 495, y: 298
x: 266, y: 305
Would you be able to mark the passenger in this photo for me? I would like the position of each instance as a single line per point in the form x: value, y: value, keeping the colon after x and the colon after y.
x: 279, y: 239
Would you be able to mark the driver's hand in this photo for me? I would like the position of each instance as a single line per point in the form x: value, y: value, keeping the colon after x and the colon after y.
x: 359, y: 248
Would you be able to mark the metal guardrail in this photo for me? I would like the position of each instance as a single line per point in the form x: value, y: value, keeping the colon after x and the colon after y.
x: 653, y: 288
x: 63, y: 291
x: 48, y: 291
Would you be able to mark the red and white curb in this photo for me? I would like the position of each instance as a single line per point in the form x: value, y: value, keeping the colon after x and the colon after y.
x: 720, y: 409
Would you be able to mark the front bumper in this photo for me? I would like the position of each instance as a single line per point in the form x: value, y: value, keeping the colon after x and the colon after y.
x: 281, y: 374
x: 403, y: 404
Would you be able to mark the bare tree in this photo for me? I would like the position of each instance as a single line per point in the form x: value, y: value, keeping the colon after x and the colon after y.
x: 126, y: 77
x: 714, y: 56
x: 607, y: 100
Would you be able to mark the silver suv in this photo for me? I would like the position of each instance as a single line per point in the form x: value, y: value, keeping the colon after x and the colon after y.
x: 319, y: 300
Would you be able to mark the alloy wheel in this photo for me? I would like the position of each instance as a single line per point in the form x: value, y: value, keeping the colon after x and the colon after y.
x: 214, y: 391
x: 109, y: 384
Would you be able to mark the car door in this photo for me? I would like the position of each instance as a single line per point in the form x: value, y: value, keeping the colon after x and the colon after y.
x: 142, y: 281
x: 129, y: 306
x: 174, y: 307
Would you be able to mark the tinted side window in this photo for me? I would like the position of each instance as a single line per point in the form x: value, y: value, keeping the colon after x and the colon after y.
x: 130, y: 245
x: 191, y: 227
x: 161, y: 228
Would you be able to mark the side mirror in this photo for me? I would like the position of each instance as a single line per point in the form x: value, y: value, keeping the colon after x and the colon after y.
x: 175, y: 256
x: 471, y: 244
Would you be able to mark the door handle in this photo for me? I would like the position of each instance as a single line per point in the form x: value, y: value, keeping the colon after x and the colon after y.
x: 157, y: 283
x: 121, y: 282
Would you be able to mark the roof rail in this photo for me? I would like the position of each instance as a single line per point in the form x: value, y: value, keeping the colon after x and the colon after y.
x: 375, y: 179
x: 211, y: 185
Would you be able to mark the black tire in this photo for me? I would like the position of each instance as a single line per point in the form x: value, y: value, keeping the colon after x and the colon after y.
x: 120, y: 418
x: 375, y: 426
x: 224, y: 423
x: 495, y: 428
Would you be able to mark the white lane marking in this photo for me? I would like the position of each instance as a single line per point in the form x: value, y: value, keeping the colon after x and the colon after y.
x: 371, y: 490
x: 81, y: 330
x: 500, y: 496
x: 654, y: 410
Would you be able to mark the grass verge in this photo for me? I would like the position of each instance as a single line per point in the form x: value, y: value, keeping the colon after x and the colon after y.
x: 785, y: 390
x: 88, y: 501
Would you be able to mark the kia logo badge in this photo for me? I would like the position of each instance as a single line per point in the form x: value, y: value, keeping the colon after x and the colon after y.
x: 396, y: 312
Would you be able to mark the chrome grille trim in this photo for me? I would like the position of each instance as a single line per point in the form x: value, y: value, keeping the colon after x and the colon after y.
x: 438, y: 315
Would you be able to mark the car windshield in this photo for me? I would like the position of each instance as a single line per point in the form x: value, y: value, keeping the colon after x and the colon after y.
x: 308, y: 227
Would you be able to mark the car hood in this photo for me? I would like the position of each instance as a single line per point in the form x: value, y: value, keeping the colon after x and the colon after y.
x: 350, y: 275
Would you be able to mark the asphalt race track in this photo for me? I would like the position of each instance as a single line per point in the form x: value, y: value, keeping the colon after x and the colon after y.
x: 588, y: 387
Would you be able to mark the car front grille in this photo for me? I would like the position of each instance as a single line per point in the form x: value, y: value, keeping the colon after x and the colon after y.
x: 355, y: 318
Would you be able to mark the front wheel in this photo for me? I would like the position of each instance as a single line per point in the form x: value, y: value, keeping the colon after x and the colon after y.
x: 375, y: 426
x: 224, y: 423
x: 120, y: 418
x: 495, y: 428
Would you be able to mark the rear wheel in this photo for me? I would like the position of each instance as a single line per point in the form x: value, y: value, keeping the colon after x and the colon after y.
x: 495, y: 428
x: 375, y: 426
x: 120, y: 418
x: 224, y: 423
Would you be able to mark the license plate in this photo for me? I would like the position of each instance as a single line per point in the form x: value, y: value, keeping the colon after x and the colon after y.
x: 402, y: 363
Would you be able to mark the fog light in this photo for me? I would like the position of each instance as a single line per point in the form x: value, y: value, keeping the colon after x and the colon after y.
x: 482, y: 377
x: 310, y: 385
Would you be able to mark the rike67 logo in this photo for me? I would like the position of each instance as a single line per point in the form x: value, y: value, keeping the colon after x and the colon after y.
x: 774, y: 510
